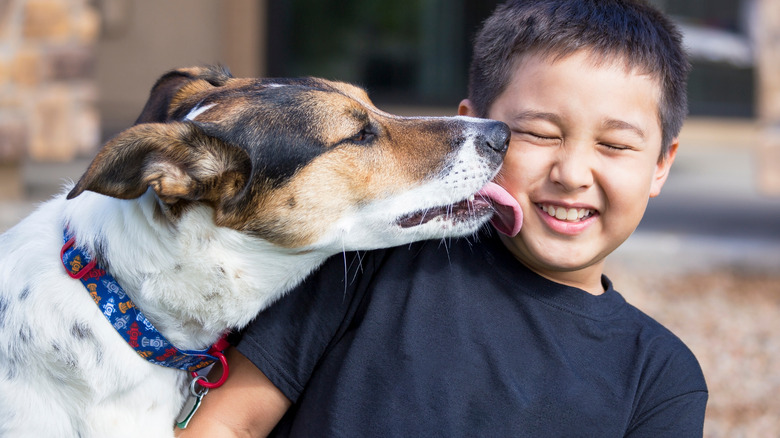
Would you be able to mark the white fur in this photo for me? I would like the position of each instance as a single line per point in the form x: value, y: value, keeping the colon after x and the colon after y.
x: 56, y: 383
x: 65, y: 372
x: 198, y: 110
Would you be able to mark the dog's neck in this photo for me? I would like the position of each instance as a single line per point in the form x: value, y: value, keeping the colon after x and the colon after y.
x: 192, y: 279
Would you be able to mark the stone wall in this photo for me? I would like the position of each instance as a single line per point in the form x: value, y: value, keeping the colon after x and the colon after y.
x: 47, y: 88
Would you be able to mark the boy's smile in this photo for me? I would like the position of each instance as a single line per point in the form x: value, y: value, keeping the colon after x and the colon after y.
x: 583, y: 161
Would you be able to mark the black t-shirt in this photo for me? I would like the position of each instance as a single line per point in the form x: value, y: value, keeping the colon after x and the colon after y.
x: 457, y: 338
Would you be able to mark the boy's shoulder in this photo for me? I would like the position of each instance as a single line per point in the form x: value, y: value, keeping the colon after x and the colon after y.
x: 651, y: 329
x: 668, y: 360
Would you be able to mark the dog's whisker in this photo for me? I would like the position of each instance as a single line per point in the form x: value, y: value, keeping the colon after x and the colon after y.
x: 445, y: 244
x: 346, y: 273
x: 422, y: 217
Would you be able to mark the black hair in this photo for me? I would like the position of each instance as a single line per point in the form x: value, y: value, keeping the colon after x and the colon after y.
x: 630, y: 31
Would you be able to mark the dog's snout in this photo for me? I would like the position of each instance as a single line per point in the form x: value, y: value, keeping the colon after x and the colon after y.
x: 497, y: 136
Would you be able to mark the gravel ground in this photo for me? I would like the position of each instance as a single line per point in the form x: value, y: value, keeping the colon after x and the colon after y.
x: 730, y: 318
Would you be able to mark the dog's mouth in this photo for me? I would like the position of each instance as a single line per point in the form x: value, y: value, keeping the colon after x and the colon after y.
x: 490, y: 200
x: 467, y: 209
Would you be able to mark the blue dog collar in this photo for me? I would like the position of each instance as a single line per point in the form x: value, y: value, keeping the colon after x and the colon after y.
x: 126, y: 319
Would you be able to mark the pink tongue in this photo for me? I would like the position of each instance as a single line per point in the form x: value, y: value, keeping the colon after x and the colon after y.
x: 508, y: 217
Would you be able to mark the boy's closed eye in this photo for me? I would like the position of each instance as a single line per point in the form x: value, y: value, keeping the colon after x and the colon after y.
x: 616, y: 146
x: 536, y: 137
x: 620, y: 141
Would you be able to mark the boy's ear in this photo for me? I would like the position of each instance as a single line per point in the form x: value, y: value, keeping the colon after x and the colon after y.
x: 175, y: 159
x: 466, y: 108
x: 662, y: 168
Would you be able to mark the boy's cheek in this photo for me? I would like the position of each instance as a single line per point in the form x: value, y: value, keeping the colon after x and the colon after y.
x: 524, y: 161
x: 515, y: 181
x: 511, y: 170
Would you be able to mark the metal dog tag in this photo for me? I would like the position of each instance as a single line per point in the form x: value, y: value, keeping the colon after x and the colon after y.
x: 192, y: 404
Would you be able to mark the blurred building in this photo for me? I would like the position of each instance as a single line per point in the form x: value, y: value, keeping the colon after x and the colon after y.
x: 65, y: 64
x: 48, y: 94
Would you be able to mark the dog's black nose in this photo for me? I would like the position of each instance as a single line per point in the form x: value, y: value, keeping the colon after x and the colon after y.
x: 497, y: 136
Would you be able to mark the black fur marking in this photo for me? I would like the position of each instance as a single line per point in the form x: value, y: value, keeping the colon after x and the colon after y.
x: 287, y: 143
x: 81, y: 331
x: 3, y: 310
x: 25, y: 334
x: 101, y: 248
x: 11, y: 369
x: 24, y: 293
x: 282, y: 125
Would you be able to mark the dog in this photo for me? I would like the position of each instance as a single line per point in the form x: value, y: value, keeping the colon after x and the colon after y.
x: 223, y: 195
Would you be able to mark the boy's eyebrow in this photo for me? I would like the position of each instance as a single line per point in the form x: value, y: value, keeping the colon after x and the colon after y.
x: 623, y: 125
x: 533, y: 115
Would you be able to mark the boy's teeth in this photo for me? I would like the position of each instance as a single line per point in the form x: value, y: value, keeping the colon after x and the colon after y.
x: 566, y: 214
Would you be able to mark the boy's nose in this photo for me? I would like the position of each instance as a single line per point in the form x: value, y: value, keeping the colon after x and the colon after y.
x: 572, y: 169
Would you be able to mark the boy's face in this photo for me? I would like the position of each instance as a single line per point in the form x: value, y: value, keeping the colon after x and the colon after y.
x: 583, y: 161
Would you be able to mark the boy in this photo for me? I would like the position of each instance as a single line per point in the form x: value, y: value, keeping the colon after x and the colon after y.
x: 502, y: 335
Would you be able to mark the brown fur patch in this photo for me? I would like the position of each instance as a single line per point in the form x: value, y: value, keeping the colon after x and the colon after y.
x: 282, y: 160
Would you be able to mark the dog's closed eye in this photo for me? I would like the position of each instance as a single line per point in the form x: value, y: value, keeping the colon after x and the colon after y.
x: 363, y: 137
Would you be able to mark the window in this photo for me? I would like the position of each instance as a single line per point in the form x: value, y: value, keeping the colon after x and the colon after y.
x: 416, y: 52
x: 402, y: 51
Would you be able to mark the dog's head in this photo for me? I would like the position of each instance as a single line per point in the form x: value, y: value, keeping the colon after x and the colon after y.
x: 302, y: 163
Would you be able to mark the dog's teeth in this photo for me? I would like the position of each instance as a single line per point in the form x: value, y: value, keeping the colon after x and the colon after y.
x: 471, y: 198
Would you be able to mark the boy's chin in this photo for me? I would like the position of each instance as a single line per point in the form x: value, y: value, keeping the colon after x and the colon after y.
x: 564, y: 263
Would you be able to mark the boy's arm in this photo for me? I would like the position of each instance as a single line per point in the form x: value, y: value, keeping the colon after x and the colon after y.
x: 674, y: 400
x: 247, y: 405
x: 680, y: 417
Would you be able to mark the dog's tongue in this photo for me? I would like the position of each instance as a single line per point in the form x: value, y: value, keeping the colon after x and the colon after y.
x: 508, y: 217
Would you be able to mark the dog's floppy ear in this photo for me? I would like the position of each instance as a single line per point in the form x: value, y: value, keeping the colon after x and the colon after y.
x: 177, y: 160
x: 166, y: 90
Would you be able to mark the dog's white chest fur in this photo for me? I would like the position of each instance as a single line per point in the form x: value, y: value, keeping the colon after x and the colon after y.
x: 67, y: 372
